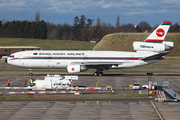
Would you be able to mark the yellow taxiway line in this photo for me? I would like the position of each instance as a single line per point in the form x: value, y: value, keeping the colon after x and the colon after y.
x: 97, y: 83
x: 156, y: 110
x: 174, y: 83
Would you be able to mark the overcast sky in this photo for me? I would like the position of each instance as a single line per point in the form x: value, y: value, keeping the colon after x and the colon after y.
x: 64, y: 11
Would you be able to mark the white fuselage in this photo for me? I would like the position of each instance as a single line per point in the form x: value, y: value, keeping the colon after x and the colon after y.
x: 151, y: 50
x: 61, y: 59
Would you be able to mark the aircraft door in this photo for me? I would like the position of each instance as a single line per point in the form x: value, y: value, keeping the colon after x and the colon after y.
x: 85, y: 58
x: 20, y: 58
x: 49, y: 59
x: 131, y: 60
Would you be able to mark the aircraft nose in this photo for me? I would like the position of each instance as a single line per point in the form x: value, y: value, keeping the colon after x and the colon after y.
x: 6, y: 60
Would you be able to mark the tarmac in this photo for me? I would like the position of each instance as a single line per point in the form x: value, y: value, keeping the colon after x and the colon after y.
x: 88, y: 110
x: 94, y: 109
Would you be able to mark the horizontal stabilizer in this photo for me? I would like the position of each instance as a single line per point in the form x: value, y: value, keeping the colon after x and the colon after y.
x: 155, y: 56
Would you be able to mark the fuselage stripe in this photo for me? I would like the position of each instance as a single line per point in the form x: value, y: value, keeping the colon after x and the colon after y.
x: 90, y: 58
x: 154, y: 40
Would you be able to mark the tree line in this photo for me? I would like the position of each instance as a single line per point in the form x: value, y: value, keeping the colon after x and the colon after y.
x: 24, y: 29
x: 81, y: 30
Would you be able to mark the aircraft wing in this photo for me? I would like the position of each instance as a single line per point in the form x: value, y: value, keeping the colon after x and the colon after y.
x: 97, y: 63
x: 155, y: 56
x: 102, y: 63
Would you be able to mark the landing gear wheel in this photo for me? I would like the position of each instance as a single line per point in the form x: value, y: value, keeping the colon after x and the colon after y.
x: 95, y: 74
x: 98, y: 74
x: 101, y: 74
x: 30, y: 70
x: 31, y: 74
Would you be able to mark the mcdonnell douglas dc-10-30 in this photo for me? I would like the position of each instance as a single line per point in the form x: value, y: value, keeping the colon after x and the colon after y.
x: 150, y: 51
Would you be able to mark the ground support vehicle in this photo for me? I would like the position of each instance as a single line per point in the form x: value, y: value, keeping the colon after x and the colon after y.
x: 136, y: 86
x: 167, y: 91
x: 152, y: 85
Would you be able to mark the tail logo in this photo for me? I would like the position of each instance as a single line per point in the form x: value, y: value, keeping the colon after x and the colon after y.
x: 160, y: 32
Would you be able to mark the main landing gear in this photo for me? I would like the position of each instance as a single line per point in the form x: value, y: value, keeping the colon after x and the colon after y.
x: 31, y: 74
x: 98, y: 72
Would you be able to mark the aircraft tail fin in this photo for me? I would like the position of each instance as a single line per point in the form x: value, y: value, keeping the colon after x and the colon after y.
x: 158, y: 35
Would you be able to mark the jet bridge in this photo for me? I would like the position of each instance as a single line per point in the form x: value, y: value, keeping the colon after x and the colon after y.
x: 166, y: 90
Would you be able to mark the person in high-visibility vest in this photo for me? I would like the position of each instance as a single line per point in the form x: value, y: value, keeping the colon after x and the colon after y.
x: 31, y: 82
x: 8, y: 83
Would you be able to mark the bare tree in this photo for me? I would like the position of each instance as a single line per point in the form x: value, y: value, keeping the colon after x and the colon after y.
x: 117, y: 22
x: 144, y: 26
x: 98, y: 23
x: 3, y: 21
x: 37, y: 16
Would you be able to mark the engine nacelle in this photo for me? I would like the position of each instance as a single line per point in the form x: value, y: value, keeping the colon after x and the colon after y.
x: 169, y: 45
x: 155, y: 47
x: 75, y: 68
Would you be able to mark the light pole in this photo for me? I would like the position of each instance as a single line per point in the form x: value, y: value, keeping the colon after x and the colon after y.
x: 149, y: 78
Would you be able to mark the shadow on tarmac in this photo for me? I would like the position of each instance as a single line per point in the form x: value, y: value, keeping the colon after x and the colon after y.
x: 112, y: 74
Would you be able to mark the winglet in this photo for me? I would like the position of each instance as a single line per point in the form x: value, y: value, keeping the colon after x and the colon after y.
x: 158, y: 35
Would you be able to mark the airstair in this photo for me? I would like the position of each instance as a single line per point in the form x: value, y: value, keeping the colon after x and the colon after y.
x: 167, y: 91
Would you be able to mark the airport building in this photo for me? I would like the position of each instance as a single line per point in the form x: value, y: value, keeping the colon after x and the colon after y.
x: 7, y: 50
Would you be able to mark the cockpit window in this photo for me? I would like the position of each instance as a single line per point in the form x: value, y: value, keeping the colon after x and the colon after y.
x: 12, y: 56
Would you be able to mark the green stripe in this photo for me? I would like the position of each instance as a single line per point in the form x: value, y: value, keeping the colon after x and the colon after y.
x: 153, y: 41
x: 165, y: 24
x: 76, y: 58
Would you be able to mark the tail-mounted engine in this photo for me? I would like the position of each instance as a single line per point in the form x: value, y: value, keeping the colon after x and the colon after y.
x: 154, y: 47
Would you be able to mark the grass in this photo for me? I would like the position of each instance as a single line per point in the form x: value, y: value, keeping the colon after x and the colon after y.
x: 48, y: 44
x: 124, y: 41
x: 70, y: 96
x: 169, y: 61
x: 90, y: 71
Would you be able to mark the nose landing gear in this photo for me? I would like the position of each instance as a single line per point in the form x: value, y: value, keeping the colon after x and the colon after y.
x: 31, y: 74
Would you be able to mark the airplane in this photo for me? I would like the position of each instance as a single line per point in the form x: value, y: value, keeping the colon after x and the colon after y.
x: 151, y: 50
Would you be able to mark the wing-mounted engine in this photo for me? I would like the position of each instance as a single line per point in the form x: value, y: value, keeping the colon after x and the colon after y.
x: 153, y: 47
x: 75, y: 68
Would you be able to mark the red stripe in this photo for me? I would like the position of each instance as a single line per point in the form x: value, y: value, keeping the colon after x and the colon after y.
x: 161, y: 57
x: 25, y: 92
x: 153, y: 40
x: 91, y: 57
x: 169, y: 23
x: 14, y: 58
x: 58, y: 91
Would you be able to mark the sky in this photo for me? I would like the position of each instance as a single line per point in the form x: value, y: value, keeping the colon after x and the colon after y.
x: 63, y: 11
